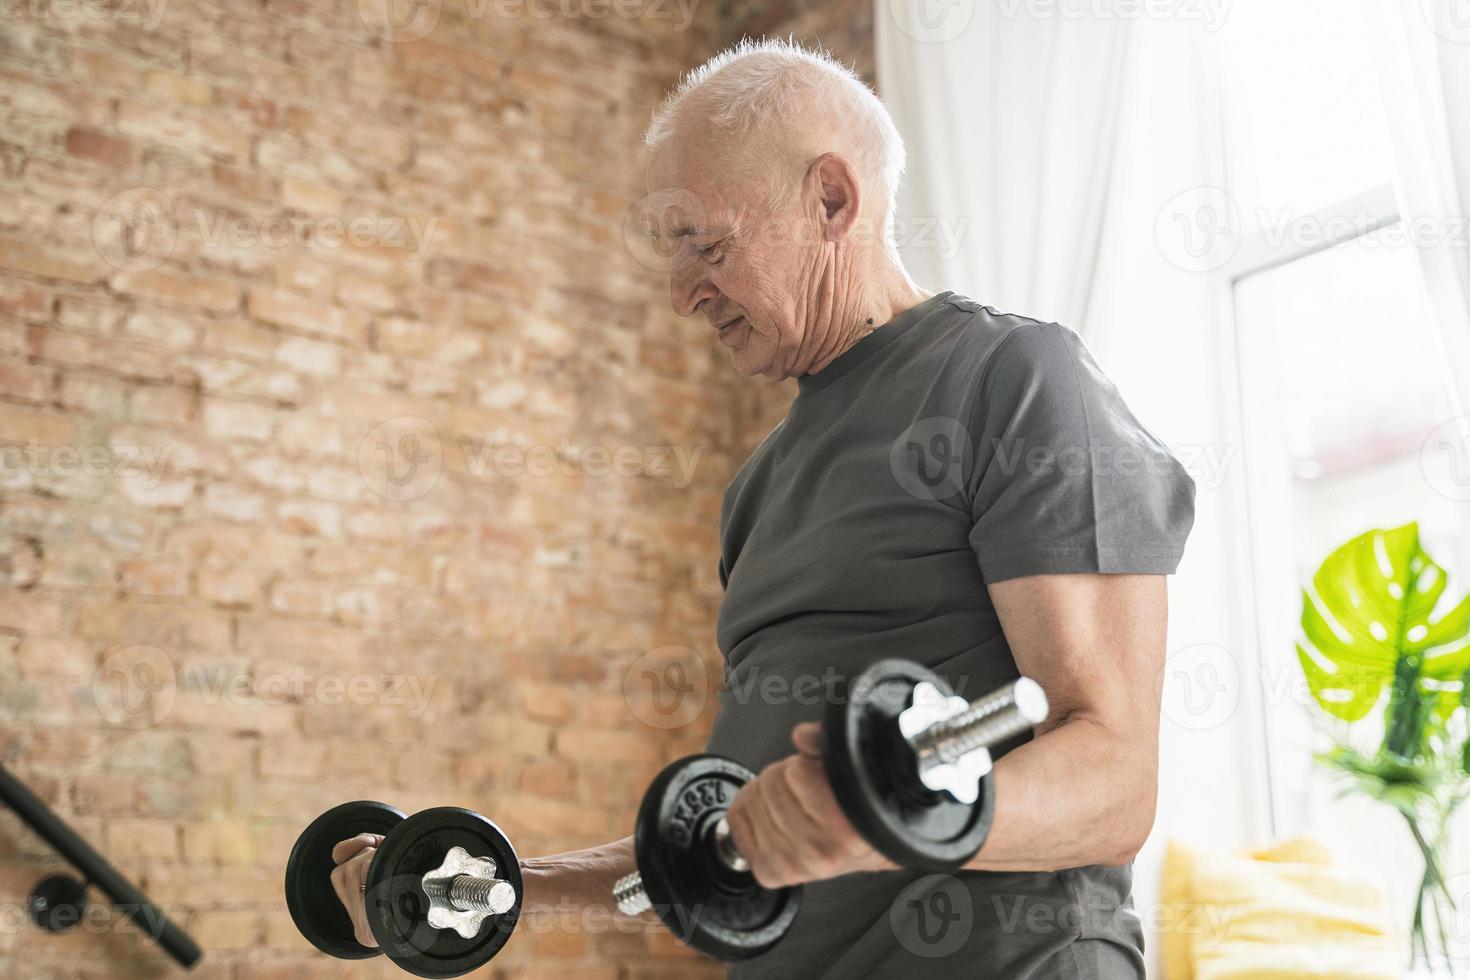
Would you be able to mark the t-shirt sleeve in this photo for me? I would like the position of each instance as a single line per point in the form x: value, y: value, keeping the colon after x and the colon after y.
x: 1064, y: 478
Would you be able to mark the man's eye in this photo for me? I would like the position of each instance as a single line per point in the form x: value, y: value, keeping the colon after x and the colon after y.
x: 705, y: 251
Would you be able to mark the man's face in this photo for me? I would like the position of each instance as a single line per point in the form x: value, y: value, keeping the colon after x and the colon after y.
x: 747, y: 270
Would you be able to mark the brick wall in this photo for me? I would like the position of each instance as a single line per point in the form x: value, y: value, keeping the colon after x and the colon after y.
x: 348, y: 450
x: 844, y: 27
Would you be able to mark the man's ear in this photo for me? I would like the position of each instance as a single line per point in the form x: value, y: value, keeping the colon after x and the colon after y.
x: 836, y: 183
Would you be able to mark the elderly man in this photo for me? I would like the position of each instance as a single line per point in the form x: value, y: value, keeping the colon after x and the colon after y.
x: 953, y: 485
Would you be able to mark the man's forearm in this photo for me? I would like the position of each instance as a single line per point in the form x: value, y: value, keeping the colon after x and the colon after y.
x: 1079, y: 794
x: 576, y: 880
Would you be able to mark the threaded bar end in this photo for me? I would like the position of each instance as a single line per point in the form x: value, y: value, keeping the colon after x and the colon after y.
x: 474, y: 894
x: 629, y: 896
x: 999, y: 715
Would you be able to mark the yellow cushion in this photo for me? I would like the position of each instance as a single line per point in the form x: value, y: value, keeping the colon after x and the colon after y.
x: 1283, y: 912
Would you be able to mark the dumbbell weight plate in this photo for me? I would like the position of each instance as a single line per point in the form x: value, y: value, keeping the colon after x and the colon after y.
x: 312, y: 900
x: 722, y: 913
x: 397, y: 908
x: 874, y: 777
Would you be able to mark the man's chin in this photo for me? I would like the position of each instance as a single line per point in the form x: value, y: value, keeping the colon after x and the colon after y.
x: 748, y: 362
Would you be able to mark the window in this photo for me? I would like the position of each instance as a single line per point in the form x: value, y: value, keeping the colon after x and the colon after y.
x: 1346, y: 397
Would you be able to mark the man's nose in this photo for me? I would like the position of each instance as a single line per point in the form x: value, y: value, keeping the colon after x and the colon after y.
x: 689, y: 286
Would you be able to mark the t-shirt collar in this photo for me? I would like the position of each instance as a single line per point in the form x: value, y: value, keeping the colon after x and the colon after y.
x: 869, y: 345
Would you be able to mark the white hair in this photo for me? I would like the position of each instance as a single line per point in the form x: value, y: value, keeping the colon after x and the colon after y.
x: 753, y: 84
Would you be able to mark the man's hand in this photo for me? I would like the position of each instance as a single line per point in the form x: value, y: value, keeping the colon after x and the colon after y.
x: 787, y: 823
x: 352, y: 858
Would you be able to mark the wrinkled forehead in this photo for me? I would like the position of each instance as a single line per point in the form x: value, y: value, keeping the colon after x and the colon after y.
x: 697, y: 183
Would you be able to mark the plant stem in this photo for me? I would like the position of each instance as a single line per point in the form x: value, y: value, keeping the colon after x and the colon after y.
x: 1431, y: 888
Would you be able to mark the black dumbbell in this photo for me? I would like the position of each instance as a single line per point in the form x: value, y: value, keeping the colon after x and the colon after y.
x: 910, y: 762
x: 443, y: 892
x: 689, y: 871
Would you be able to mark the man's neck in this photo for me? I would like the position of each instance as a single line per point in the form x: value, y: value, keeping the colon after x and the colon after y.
x: 897, y: 294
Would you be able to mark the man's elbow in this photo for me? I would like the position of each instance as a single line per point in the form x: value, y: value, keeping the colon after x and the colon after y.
x: 1130, y: 847
x: 1135, y: 822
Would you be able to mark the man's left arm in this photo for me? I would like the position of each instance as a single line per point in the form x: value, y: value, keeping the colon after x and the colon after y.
x: 1083, y: 790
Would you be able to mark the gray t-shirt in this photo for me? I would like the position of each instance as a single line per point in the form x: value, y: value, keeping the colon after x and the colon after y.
x: 952, y: 447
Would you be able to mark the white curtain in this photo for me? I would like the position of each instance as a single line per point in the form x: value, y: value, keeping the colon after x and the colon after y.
x: 1426, y: 82
x: 1425, y: 72
x: 1067, y: 144
x: 1010, y: 128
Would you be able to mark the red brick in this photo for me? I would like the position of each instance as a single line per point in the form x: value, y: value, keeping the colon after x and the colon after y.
x: 174, y: 406
x: 230, y: 586
x: 219, y: 842
x: 585, y: 744
x: 213, y: 293
x: 26, y: 382
x: 25, y: 300
x: 155, y: 578
x: 176, y: 87
x: 39, y: 261
x: 115, y: 151
x: 227, y: 930
x: 30, y: 613
x: 285, y: 309
x: 237, y: 421
x: 129, y: 839
x: 246, y: 183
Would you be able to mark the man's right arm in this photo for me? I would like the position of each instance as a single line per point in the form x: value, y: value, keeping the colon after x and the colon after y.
x: 576, y: 880
x: 571, y: 882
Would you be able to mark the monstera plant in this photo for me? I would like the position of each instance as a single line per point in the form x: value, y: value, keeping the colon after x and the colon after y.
x: 1377, y: 647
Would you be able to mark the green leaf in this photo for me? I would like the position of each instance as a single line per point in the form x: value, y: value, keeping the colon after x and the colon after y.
x: 1345, y: 690
x: 1370, y: 604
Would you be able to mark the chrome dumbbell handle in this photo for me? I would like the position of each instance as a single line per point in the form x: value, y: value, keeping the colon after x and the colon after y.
x: 951, y: 739
x: 628, y: 892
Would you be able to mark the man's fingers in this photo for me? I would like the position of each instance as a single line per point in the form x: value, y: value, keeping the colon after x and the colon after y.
x: 805, y: 801
x: 807, y: 737
x: 755, y: 837
x: 775, y: 841
x: 808, y: 782
x: 351, y: 848
x: 741, y: 832
x: 347, y: 879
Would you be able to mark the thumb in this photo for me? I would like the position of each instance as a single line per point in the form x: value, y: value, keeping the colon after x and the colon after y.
x: 807, y: 737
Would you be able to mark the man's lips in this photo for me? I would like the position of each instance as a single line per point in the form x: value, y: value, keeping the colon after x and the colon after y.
x: 724, y: 328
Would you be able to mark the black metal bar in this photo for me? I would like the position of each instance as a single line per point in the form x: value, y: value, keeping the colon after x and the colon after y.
x: 98, y: 871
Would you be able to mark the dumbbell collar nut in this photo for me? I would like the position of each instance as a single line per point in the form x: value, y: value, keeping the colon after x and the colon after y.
x: 951, y: 737
x: 463, y: 892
